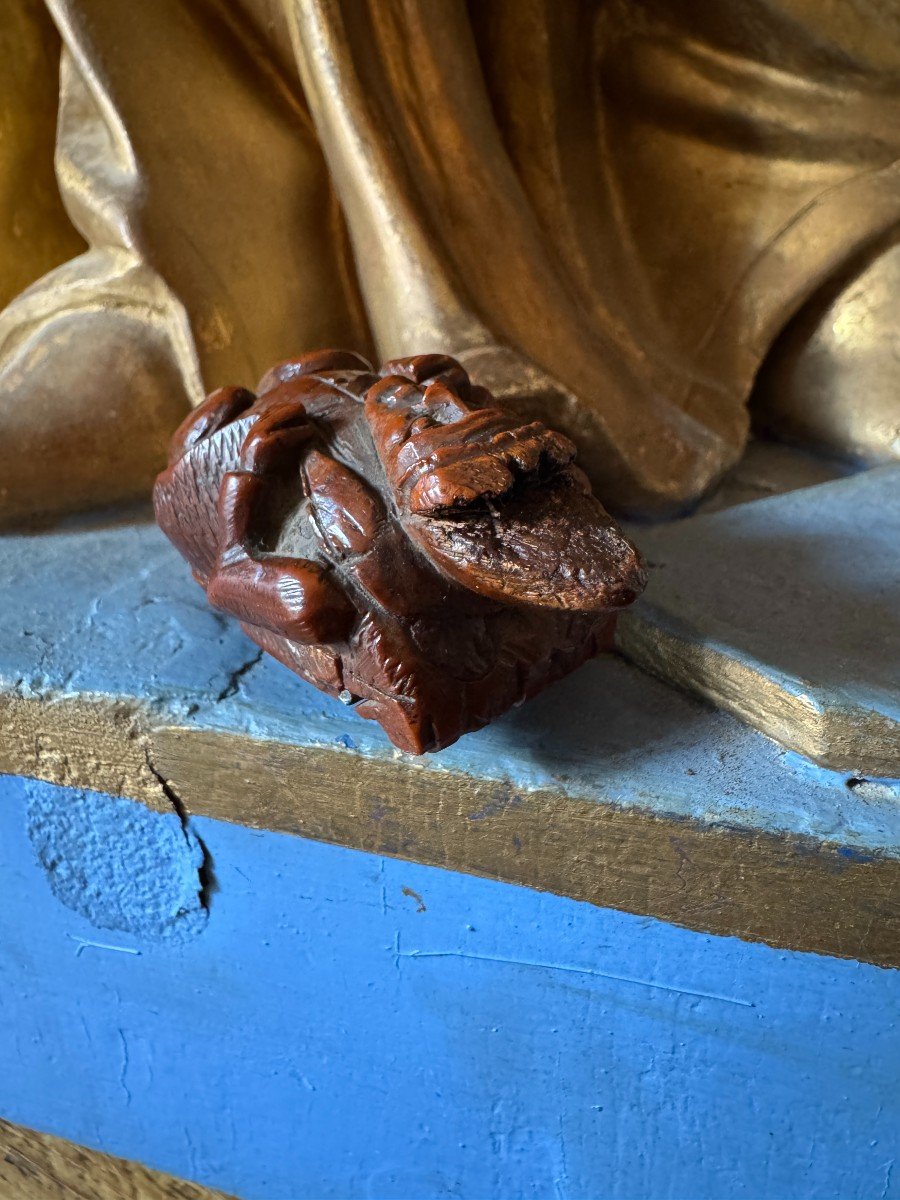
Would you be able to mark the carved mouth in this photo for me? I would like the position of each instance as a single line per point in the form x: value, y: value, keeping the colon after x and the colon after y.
x: 553, y: 546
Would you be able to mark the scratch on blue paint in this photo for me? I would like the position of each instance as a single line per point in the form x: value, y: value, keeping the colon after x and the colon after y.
x: 84, y: 943
x: 518, y: 1082
x: 545, y: 966
x: 561, y: 1183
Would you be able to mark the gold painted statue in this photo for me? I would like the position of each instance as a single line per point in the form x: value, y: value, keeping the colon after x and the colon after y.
x: 629, y: 217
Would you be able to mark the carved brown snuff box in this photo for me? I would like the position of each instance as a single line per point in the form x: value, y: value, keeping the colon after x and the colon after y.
x: 396, y: 539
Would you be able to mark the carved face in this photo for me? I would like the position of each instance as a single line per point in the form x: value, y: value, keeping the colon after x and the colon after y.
x: 396, y: 540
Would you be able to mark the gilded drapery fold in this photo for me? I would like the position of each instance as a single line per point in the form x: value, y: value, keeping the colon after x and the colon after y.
x: 609, y: 212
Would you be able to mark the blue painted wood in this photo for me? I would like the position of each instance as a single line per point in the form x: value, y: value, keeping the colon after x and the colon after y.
x: 113, y: 611
x: 352, y: 1027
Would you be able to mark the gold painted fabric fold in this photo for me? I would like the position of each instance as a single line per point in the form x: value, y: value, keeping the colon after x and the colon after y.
x: 450, y: 249
x: 187, y: 162
x: 35, y: 232
x: 610, y: 212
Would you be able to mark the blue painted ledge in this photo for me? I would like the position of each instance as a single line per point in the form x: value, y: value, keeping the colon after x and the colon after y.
x: 611, y: 787
x: 347, y: 1027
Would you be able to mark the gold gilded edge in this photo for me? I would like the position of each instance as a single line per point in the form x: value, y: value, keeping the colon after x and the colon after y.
x: 846, y: 737
x: 787, y: 890
x: 97, y: 742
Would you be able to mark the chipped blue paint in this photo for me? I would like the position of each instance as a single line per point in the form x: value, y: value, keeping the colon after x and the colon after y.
x: 854, y: 855
x: 345, y: 1027
x: 118, y: 864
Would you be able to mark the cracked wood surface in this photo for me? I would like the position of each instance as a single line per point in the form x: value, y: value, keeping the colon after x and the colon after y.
x: 37, y: 1166
x: 611, y: 788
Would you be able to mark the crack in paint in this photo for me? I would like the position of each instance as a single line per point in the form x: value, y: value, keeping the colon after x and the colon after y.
x: 234, y: 679
x: 123, y: 1070
x: 889, y: 1168
x: 205, y: 872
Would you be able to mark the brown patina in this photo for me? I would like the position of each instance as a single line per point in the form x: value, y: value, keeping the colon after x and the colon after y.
x: 396, y: 539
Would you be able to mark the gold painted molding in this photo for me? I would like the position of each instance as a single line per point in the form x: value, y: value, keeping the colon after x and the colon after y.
x: 94, y: 742
x: 786, y: 613
x: 789, y: 891
x: 839, y: 737
x: 37, y: 1166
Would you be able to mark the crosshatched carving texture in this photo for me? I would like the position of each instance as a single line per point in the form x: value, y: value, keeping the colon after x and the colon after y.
x: 397, y: 539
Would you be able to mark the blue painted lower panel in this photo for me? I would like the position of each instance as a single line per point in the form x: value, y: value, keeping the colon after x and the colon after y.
x: 346, y: 1026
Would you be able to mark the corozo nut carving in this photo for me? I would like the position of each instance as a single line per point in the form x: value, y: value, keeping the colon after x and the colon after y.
x: 396, y: 539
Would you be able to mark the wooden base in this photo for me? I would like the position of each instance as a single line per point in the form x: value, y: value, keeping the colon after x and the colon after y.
x: 37, y: 1166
